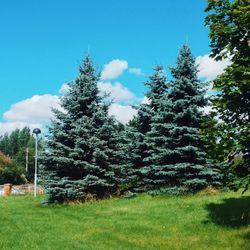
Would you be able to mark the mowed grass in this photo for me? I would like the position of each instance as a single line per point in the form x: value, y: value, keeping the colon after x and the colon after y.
x: 218, y: 221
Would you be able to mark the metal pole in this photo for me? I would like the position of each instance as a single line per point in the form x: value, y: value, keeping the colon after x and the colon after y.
x: 27, y: 159
x: 36, y: 131
x: 35, y: 179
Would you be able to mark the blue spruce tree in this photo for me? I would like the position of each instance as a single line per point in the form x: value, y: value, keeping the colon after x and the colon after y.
x: 82, y: 157
x: 176, y: 160
x: 139, y: 127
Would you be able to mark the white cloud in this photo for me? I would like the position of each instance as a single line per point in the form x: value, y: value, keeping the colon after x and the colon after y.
x: 136, y: 71
x: 35, y: 109
x: 113, y: 69
x: 32, y: 112
x: 117, y: 91
x: 145, y: 100
x: 7, y: 127
x: 209, y: 68
x: 123, y: 113
x: 64, y: 88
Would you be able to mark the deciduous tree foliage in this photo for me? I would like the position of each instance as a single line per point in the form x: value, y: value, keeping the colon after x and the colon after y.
x: 15, y: 144
x: 228, y: 22
x: 10, y: 172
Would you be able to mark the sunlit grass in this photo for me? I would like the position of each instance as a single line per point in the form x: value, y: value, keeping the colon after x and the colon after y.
x: 218, y: 221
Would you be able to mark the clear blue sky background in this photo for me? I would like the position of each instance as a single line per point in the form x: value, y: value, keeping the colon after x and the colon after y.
x: 42, y: 42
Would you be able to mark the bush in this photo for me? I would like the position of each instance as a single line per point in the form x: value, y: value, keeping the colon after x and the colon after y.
x: 10, y: 172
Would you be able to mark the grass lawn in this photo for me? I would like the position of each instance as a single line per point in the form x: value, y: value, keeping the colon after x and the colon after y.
x: 218, y: 221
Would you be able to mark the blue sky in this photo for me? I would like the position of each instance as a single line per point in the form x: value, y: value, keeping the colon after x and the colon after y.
x: 43, y: 42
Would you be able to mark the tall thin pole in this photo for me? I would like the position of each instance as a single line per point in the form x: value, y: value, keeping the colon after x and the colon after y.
x: 27, y: 159
x: 36, y: 131
x: 35, y: 179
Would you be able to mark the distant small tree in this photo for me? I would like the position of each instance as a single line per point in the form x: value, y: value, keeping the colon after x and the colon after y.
x: 15, y: 144
x: 10, y: 172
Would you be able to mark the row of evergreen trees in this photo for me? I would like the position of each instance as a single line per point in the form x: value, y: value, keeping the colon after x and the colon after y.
x: 90, y: 154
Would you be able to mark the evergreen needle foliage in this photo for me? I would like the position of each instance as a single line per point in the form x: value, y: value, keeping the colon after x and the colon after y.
x: 138, y: 128
x: 176, y: 161
x: 82, y: 158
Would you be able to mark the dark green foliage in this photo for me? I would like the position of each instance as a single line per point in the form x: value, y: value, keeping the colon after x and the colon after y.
x: 228, y: 22
x: 135, y: 148
x: 214, y: 137
x: 83, y: 154
x: 219, y: 142
x: 10, y: 172
x: 137, y: 129
x: 176, y: 161
x: 15, y: 144
x: 11, y: 143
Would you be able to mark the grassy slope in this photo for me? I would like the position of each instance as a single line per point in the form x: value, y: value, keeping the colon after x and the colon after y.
x: 194, y: 222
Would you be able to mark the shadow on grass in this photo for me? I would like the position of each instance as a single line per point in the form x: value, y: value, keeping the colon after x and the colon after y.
x: 232, y: 212
x: 247, y: 236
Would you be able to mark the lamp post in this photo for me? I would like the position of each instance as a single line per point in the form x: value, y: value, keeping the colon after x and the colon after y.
x: 36, y: 131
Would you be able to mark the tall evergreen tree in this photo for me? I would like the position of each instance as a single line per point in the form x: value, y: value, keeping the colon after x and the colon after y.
x: 82, y: 158
x: 141, y: 124
x: 176, y: 160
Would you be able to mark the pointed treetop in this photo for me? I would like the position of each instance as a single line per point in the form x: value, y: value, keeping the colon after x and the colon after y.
x: 185, y: 64
x: 83, y: 92
x: 87, y: 66
x: 157, y: 84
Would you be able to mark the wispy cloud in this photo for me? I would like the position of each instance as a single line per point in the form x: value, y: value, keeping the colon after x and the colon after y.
x: 136, y: 71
